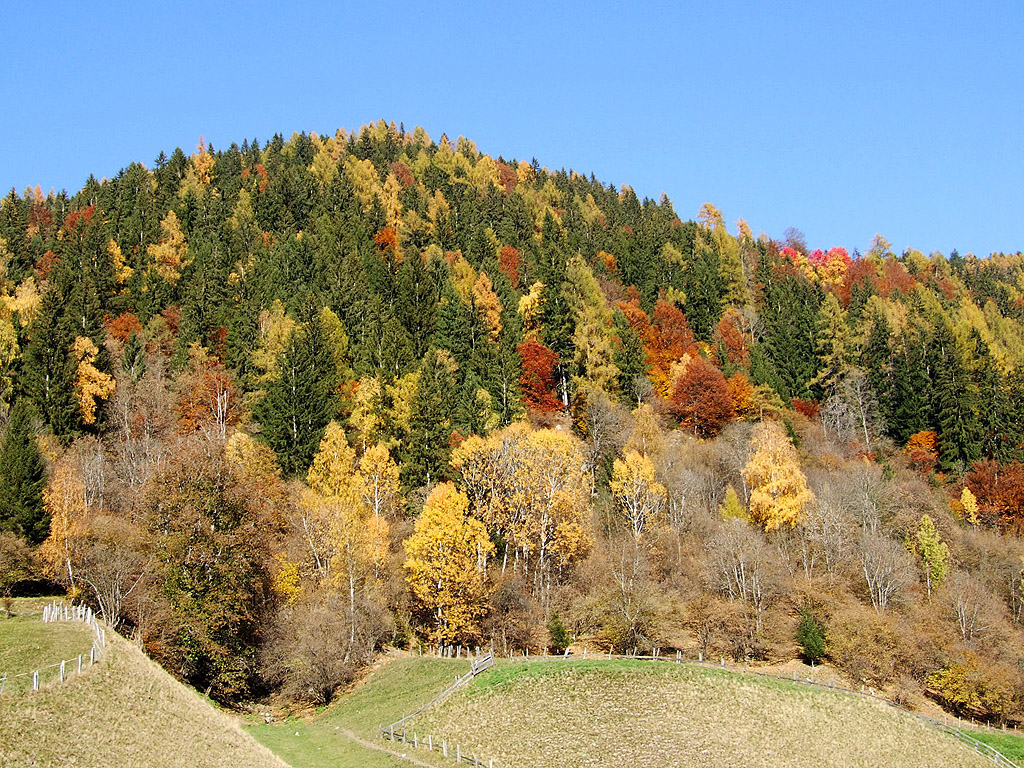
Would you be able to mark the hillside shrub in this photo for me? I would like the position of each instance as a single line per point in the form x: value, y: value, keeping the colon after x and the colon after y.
x: 811, y: 636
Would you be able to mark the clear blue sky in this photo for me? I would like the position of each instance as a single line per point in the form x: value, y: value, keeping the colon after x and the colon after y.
x: 840, y: 119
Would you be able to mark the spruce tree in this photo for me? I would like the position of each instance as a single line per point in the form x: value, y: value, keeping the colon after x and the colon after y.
x: 629, y: 357
x: 954, y: 404
x: 425, y: 453
x: 49, y: 369
x: 22, y: 479
x: 908, y: 405
x: 297, y: 407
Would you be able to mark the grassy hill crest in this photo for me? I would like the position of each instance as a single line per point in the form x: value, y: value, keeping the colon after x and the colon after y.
x: 126, y: 711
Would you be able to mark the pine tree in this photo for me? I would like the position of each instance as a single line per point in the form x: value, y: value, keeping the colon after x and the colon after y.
x: 22, y: 478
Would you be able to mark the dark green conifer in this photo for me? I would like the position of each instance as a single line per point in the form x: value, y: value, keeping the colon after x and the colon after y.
x: 22, y: 478
x: 297, y: 407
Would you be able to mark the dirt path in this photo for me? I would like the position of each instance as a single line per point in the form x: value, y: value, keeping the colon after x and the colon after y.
x: 370, y: 745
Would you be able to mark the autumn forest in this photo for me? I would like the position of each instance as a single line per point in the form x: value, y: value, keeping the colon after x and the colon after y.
x: 272, y: 408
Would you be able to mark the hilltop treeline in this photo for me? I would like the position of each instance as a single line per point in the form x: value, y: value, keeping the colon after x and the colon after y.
x: 274, y: 406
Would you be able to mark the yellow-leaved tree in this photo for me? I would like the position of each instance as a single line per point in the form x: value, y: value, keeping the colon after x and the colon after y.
x: 638, y: 496
x: 348, y: 541
x: 778, y: 487
x: 532, y: 488
x: 378, y: 484
x: 170, y: 254
x: 969, y: 504
x: 447, y: 565
x: 91, y: 384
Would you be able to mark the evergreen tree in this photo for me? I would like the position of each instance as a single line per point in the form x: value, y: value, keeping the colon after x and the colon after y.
x: 876, y: 360
x: 629, y: 357
x: 297, y: 407
x: 908, y: 405
x: 22, y: 478
x: 49, y: 370
x: 790, y: 316
x: 424, y: 454
x: 705, y: 289
x: 954, y: 404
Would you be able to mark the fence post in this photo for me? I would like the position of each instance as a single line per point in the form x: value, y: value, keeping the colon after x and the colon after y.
x: 430, y: 742
x: 444, y: 747
x: 62, y: 670
x: 35, y: 680
x: 79, y: 663
x: 415, y: 739
x: 584, y: 651
x: 458, y: 753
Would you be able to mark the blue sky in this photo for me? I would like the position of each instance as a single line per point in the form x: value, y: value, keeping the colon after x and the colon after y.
x: 840, y: 119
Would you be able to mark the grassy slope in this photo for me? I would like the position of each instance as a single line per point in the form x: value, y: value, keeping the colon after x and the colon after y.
x: 632, y: 713
x: 394, y: 689
x: 1011, y: 746
x: 127, y: 712
x: 27, y: 644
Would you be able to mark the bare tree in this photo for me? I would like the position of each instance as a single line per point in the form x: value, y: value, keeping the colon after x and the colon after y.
x: 886, y: 566
x: 975, y: 608
x: 741, y: 565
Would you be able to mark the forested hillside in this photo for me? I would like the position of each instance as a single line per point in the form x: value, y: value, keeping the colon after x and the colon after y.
x: 273, y: 406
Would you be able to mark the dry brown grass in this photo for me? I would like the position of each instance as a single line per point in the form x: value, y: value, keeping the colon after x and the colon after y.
x: 127, y: 712
x: 619, y: 714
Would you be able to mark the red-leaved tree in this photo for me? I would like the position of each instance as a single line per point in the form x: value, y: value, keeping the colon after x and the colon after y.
x: 701, y: 398
x: 537, y: 382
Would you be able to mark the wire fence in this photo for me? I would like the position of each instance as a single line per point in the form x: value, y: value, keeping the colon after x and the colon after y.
x: 953, y: 726
x: 59, y: 671
x: 396, y: 731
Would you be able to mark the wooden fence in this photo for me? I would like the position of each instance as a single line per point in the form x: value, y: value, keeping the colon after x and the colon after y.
x: 396, y: 731
x: 61, y: 670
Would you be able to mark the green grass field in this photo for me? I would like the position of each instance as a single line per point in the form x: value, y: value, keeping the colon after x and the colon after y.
x: 27, y: 644
x: 392, y: 690
x: 1011, y: 746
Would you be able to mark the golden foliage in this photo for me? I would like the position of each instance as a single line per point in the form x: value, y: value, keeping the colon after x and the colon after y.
x: 284, y: 580
x: 91, y: 384
x: 488, y: 306
x: 332, y: 471
x: 533, y: 489
x: 639, y: 497
x: 378, y: 484
x: 529, y: 307
x: 778, y: 486
x: 170, y: 254
x: 969, y: 505
x: 122, y: 272
x: 447, y: 564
